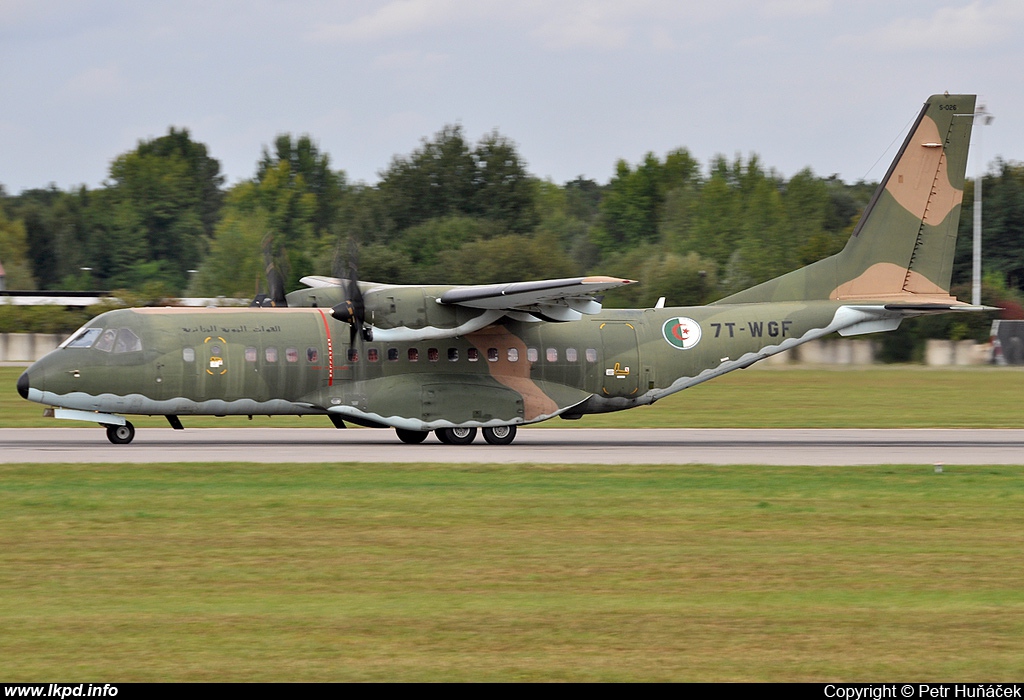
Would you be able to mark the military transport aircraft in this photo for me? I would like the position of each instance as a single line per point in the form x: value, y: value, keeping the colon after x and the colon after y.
x: 452, y: 359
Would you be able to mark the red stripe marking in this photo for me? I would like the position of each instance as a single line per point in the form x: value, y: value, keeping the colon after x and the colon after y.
x: 330, y: 350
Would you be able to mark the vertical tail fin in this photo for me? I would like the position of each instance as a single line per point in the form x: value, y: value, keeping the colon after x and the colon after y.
x: 903, y: 247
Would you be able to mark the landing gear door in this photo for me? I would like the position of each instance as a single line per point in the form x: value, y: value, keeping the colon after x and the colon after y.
x: 621, y: 355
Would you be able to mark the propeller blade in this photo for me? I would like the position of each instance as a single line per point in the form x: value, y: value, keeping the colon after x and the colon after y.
x: 275, y: 280
x: 353, y: 309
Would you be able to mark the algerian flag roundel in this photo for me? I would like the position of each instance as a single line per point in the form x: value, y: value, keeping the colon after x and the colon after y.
x: 681, y: 332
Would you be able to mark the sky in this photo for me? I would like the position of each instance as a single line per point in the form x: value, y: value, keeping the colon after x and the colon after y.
x: 576, y: 84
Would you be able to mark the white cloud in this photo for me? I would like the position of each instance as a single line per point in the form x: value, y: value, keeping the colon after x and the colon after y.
x: 98, y: 81
x: 400, y: 17
x: 796, y: 8
x: 957, y: 28
x: 565, y: 24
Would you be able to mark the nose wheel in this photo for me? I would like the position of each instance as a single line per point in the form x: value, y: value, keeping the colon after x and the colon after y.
x: 121, y: 434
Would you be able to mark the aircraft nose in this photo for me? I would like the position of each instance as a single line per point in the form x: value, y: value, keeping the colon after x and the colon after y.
x: 23, y: 385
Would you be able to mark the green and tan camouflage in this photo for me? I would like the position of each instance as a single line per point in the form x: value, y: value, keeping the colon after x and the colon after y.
x: 454, y: 359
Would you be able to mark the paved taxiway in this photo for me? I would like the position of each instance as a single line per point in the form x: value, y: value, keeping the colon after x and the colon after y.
x: 538, y: 446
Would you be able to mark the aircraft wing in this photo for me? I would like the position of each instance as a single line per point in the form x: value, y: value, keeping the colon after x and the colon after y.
x: 550, y: 300
x: 320, y: 281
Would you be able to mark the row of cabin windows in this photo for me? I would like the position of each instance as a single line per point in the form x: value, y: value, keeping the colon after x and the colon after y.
x: 473, y: 355
x: 412, y: 355
x: 251, y: 354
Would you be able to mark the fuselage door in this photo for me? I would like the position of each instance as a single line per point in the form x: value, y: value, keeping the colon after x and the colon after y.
x: 213, y: 368
x: 621, y: 356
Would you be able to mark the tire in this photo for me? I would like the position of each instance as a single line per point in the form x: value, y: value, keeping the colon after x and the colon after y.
x: 411, y: 437
x: 121, y: 434
x: 442, y: 436
x: 459, y: 436
x: 502, y: 435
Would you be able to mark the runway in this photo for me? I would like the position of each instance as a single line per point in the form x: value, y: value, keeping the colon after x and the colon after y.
x: 532, y: 446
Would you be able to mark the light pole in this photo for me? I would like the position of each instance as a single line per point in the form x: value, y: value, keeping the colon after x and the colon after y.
x: 982, y: 117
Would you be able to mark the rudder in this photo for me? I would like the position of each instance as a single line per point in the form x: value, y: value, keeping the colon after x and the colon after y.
x: 904, y: 244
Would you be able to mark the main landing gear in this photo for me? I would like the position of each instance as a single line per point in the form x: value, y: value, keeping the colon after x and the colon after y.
x: 121, y: 434
x: 456, y: 436
x: 502, y: 435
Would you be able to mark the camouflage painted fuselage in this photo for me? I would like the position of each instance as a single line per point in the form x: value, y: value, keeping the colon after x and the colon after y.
x: 298, y: 361
x: 503, y: 355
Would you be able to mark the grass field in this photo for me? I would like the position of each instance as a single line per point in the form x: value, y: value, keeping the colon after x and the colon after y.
x: 877, y: 397
x: 314, y: 572
x: 245, y: 572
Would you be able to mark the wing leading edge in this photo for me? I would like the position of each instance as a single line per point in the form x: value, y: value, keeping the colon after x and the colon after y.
x: 565, y: 299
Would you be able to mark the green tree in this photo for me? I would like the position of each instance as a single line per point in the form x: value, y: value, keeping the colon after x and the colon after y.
x: 436, y: 180
x: 445, y: 178
x: 684, y: 280
x: 423, y: 243
x: 504, y: 191
x: 630, y: 206
x: 14, y: 254
x: 507, y: 258
x: 1002, y: 239
x: 164, y: 198
x: 308, y: 171
x: 235, y: 266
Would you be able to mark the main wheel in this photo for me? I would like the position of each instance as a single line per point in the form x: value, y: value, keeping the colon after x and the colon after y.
x: 442, y: 436
x: 458, y: 436
x: 121, y: 434
x: 502, y: 435
x: 411, y: 437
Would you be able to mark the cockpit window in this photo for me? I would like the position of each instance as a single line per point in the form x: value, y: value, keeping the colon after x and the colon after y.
x: 106, y: 341
x: 84, y: 338
x: 127, y: 342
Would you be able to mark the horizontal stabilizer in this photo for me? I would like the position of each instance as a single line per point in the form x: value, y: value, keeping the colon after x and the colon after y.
x: 937, y: 308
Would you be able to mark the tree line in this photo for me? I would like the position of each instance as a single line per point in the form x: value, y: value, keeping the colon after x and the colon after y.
x: 456, y: 211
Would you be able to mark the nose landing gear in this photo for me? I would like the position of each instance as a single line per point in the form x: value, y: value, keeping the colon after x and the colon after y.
x: 121, y: 434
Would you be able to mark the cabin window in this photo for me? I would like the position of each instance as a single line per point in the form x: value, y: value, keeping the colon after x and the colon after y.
x: 414, y: 355
x: 513, y: 354
x: 250, y: 354
x: 353, y: 355
x: 83, y: 338
x: 270, y: 354
x: 472, y: 354
x: 571, y: 355
x: 392, y: 354
x: 492, y: 354
x: 291, y: 354
x: 591, y: 355
x: 188, y: 354
x: 453, y: 354
x: 432, y: 354
x: 127, y: 341
x: 531, y: 354
x: 312, y: 354
x: 373, y: 354
x: 106, y: 341
x: 552, y: 355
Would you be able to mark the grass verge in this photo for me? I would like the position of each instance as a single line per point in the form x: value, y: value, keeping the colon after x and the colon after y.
x: 344, y: 572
